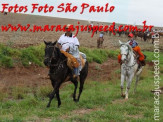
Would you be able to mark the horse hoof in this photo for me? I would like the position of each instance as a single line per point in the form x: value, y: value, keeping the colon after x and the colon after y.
x: 48, y: 106
x: 59, y: 104
x: 76, y: 100
x: 123, y: 95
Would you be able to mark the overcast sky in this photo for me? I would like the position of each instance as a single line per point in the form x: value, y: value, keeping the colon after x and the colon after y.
x: 126, y: 11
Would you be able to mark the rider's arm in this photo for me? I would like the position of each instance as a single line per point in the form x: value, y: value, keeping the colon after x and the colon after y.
x: 76, y: 42
x: 59, y: 45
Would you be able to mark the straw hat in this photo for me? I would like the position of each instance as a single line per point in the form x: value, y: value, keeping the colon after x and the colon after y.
x: 68, y: 25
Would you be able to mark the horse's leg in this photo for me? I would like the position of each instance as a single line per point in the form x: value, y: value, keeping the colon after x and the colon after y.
x: 58, y: 97
x: 152, y: 40
x: 56, y: 88
x: 98, y: 43
x: 101, y: 43
x: 128, y: 85
x: 80, y: 89
x: 51, y: 97
x: 83, y: 75
x: 82, y: 79
x: 137, y: 79
x: 122, y: 82
x: 75, y: 82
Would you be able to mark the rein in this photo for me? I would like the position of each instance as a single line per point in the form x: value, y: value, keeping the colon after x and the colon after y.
x: 127, y: 57
x: 58, y: 65
x: 52, y: 57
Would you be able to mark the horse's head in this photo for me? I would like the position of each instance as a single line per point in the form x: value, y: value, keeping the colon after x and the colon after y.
x: 125, y: 50
x: 51, y: 53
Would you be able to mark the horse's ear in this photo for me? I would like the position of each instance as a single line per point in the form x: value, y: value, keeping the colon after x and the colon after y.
x: 120, y: 42
x: 128, y: 42
x: 45, y: 42
x: 55, y: 42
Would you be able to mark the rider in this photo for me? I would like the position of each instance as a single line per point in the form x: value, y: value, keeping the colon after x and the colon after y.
x: 68, y: 43
x: 136, y: 48
x: 101, y: 35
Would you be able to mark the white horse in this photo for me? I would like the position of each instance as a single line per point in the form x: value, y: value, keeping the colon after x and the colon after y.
x: 129, y: 67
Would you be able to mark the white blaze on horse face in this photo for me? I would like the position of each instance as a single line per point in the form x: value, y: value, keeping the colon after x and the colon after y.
x: 124, y: 52
x: 123, y: 58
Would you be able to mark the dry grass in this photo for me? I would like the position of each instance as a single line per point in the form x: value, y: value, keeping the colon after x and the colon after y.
x: 23, y: 39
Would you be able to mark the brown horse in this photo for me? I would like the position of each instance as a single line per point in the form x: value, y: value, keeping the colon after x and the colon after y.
x: 135, y: 34
x: 145, y: 36
x: 126, y: 33
x: 140, y: 34
x: 100, y: 42
x: 160, y: 33
x: 148, y: 36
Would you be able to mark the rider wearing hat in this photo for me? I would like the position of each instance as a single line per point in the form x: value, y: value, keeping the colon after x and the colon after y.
x: 70, y: 44
x: 136, y: 48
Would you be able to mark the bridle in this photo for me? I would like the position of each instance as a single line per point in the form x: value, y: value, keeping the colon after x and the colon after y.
x: 52, y: 57
x: 59, y: 62
x: 127, y: 58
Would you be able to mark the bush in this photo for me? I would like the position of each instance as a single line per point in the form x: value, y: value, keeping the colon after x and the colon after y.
x: 10, y: 57
x: 98, y: 55
x: 6, y: 61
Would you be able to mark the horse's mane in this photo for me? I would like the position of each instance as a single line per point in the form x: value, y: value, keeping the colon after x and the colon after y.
x: 61, y: 55
x: 130, y: 48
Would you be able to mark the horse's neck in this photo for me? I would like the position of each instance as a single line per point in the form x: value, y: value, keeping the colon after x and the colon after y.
x: 60, y: 61
x: 62, y: 56
x: 130, y: 58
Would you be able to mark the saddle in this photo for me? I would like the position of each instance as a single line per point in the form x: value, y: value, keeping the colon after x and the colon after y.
x: 72, y: 62
x: 140, y: 64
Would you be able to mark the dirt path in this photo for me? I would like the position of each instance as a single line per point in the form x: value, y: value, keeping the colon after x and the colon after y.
x: 37, y: 76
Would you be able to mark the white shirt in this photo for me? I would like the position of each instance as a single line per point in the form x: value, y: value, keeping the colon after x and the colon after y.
x: 101, y: 34
x: 74, y: 51
x: 66, y: 41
